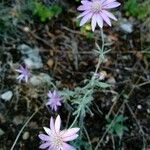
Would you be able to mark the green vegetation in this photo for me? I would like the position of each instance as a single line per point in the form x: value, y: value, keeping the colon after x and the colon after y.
x: 44, y: 12
x: 136, y: 9
x: 116, y: 126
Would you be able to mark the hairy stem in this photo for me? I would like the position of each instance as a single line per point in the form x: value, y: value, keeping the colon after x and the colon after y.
x: 99, y: 59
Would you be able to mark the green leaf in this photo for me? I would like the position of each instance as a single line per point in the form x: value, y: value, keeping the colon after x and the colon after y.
x: 102, y: 84
x: 120, y: 118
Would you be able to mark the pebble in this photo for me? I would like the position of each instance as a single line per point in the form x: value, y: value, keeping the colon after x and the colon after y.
x: 111, y: 80
x: 7, y: 95
x: 37, y: 80
x: 50, y: 63
x: 139, y: 107
x: 126, y: 26
x: 26, y: 29
x: 18, y: 120
x: 26, y: 135
x: 30, y: 56
x: 31, y: 64
x: 148, y: 111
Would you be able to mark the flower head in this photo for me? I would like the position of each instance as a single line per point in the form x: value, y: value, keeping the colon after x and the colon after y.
x: 56, y: 139
x: 100, y: 75
x: 54, y: 100
x: 24, y: 73
x: 96, y: 10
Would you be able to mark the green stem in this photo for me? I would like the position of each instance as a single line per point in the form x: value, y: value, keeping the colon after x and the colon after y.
x: 93, y: 77
x: 74, y: 120
x: 100, y: 59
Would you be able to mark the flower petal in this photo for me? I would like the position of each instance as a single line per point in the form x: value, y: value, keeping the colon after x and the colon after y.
x: 18, y: 70
x: 51, y: 147
x: 55, y: 93
x: 106, y: 19
x: 47, y: 130
x: 85, y: 2
x: 48, y: 103
x: 103, y: 1
x: 58, y: 103
x: 44, y: 137
x: 94, y: 21
x: 99, y: 21
x: 57, y: 124
x: 55, y: 107
x: 111, y: 5
x: 84, y: 7
x: 45, y: 145
x: 66, y: 146
x: 26, y: 79
x: 70, y: 138
x: 70, y: 132
x: 52, y: 126
x: 83, y: 13
x: 49, y: 94
x: 106, y: 2
x: 85, y: 18
x: 20, y: 77
x: 110, y: 15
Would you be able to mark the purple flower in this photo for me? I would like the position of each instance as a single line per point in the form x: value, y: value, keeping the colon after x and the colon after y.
x: 56, y: 139
x: 100, y: 75
x: 96, y: 10
x: 24, y: 73
x: 54, y: 100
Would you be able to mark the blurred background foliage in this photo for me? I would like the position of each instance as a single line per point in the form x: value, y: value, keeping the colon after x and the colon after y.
x: 14, y: 12
x: 141, y: 10
x: 47, y: 10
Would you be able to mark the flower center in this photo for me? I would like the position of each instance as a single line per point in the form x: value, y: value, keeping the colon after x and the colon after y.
x: 96, y: 6
x: 57, y: 141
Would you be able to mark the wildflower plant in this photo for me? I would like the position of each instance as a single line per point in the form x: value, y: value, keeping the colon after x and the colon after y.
x: 80, y: 98
x: 56, y: 139
x: 54, y: 100
x: 117, y: 127
x: 24, y: 74
x: 97, y: 11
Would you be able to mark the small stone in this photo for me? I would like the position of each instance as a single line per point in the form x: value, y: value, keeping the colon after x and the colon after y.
x: 107, y: 139
x: 37, y: 80
x: 7, y: 96
x: 26, y: 29
x: 126, y: 26
x: 33, y: 125
x: 30, y: 56
x: 31, y: 64
x: 25, y: 136
x: 111, y: 80
x: 50, y: 63
x: 18, y: 120
x: 139, y: 107
x: 148, y: 111
x: 2, y: 118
